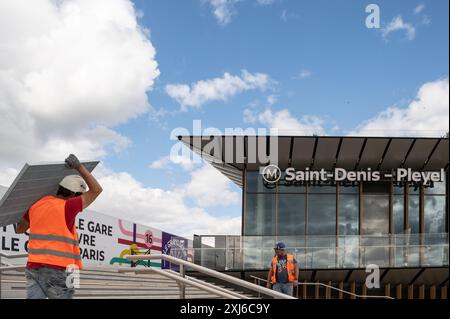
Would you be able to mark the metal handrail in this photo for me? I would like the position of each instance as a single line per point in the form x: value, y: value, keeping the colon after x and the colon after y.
x: 328, y: 286
x: 238, y: 295
x: 180, y: 280
x: 9, y: 256
x: 204, y: 270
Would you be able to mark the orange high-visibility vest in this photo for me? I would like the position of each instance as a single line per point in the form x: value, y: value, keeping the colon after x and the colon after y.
x: 51, y: 242
x: 290, y: 266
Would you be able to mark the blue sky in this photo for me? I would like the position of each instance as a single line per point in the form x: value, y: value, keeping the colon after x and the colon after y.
x: 117, y: 89
x: 355, y: 72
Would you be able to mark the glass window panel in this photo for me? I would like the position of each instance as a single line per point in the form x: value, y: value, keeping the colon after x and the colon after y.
x: 374, y: 250
x: 257, y: 252
x: 323, y: 188
x: 348, y: 214
x: 414, y: 188
x: 398, y: 210
x: 376, y: 214
x: 321, y: 214
x: 259, y: 216
x: 413, y: 211
x: 376, y: 187
x: 348, y: 250
x: 255, y: 183
x: 434, y: 214
x: 348, y: 188
x: 321, y: 252
x: 290, y: 187
x: 291, y: 214
x: 435, y: 188
x: 398, y: 189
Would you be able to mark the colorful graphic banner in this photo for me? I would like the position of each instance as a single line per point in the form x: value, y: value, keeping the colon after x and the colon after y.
x: 106, y: 240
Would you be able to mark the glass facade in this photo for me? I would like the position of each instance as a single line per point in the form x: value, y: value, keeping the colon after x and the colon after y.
x: 346, y: 225
x: 348, y: 210
x: 379, y: 208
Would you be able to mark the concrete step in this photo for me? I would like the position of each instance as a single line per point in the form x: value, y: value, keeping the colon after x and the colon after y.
x: 98, y: 283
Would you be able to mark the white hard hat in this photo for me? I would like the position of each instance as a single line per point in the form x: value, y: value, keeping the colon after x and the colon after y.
x: 74, y: 183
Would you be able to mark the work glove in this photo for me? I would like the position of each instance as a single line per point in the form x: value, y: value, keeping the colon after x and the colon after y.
x: 72, y: 162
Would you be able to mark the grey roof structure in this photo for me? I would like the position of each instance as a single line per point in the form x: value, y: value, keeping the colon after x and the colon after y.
x: 33, y: 182
x: 316, y: 152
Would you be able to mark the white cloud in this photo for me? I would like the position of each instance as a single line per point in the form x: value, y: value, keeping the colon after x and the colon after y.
x: 69, y: 71
x: 397, y: 24
x: 265, y: 2
x: 287, y: 15
x: 7, y: 176
x: 224, y: 10
x: 426, y: 115
x: 285, y: 123
x: 426, y: 20
x: 419, y: 8
x: 187, y: 162
x: 125, y: 197
x: 271, y: 99
x: 216, y: 89
x: 206, y: 194
x: 304, y: 74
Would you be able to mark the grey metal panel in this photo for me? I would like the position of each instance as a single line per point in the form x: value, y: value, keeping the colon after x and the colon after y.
x: 284, y: 147
x: 373, y: 152
x: 326, y: 152
x: 396, y: 153
x: 349, y: 152
x: 256, y: 151
x: 304, y: 275
x: 331, y: 275
x: 400, y: 276
x: 302, y: 152
x: 212, y: 146
x: 432, y: 276
x: 239, y: 151
x: 229, y: 149
x: 32, y: 183
x: 358, y: 275
x: 230, y: 172
x: 439, y: 158
x: 419, y: 153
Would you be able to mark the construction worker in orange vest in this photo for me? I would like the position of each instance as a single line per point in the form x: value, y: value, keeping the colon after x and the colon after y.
x: 283, y: 273
x: 53, y: 248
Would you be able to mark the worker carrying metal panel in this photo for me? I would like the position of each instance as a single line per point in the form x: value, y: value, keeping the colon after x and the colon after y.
x: 53, y: 248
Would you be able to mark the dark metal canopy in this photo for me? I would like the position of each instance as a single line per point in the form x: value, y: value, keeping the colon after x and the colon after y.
x: 317, y: 152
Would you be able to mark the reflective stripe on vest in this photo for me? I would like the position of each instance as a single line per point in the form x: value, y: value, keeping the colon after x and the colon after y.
x: 54, y: 238
x: 290, y: 267
x: 54, y: 253
x: 50, y: 241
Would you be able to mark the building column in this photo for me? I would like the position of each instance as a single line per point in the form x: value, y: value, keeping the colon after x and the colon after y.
x: 353, y: 289
x: 433, y: 292
x: 444, y: 292
x: 341, y: 286
x: 364, y: 290
x: 398, y: 294
x: 387, y: 290
x: 422, y: 292
x: 411, y: 292
x: 317, y: 290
